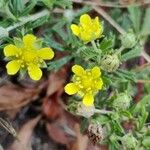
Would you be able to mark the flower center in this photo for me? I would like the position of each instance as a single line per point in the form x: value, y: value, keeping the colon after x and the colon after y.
x: 86, y: 83
x: 29, y: 56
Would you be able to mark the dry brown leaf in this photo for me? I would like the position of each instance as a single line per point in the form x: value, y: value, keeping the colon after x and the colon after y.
x: 13, y: 96
x: 25, y: 135
x: 56, y: 82
x: 51, y: 107
x: 82, y: 140
x: 57, y: 133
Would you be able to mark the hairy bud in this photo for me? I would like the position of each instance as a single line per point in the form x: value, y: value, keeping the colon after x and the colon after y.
x: 95, y: 133
x: 129, y: 141
x: 122, y: 101
x: 110, y: 63
x: 128, y: 40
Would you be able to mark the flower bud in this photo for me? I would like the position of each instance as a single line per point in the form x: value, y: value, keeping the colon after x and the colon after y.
x: 95, y: 133
x: 122, y: 101
x: 85, y: 111
x: 129, y: 141
x: 110, y: 63
x: 128, y: 40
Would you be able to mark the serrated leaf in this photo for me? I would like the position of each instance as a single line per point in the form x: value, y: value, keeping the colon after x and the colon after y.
x: 106, y: 44
x: 18, y: 42
x: 144, y: 102
x: 63, y: 3
x: 146, y: 23
x: 142, y: 118
x: 38, y: 22
x: 16, y: 7
x: 31, y: 4
x: 53, y: 44
x: 58, y: 28
x: 135, y: 52
x: 146, y: 141
x: 57, y: 64
x: 125, y: 74
x: 135, y: 17
x: 102, y: 119
x: 88, y: 53
x: 49, y: 3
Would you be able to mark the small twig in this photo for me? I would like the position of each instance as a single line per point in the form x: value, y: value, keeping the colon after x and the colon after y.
x: 145, y: 55
x: 8, y: 127
x: 111, y: 4
x: 139, y: 68
x: 143, y: 81
x: 102, y: 111
x: 109, y: 19
x: 24, y: 20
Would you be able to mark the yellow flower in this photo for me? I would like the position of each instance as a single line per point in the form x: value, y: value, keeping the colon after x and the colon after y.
x: 86, y: 83
x: 88, y: 29
x: 27, y: 55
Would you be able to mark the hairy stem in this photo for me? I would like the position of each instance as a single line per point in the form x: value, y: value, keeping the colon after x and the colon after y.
x: 24, y: 20
x: 102, y: 111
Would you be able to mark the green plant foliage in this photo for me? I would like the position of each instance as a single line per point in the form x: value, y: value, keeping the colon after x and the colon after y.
x: 124, y: 121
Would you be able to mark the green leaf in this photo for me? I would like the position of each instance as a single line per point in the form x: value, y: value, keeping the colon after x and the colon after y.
x: 135, y: 52
x: 144, y: 102
x: 124, y: 74
x: 87, y: 53
x: 64, y: 3
x: 146, y: 141
x: 18, y: 42
x: 106, y: 44
x: 38, y: 22
x: 16, y: 7
x: 101, y: 119
x: 146, y: 23
x: 84, y: 124
x: 126, y: 113
x: 135, y: 17
x: 49, y: 3
x: 58, y: 28
x: 53, y: 44
x: 30, y: 5
x: 142, y: 118
x: 57, y: 64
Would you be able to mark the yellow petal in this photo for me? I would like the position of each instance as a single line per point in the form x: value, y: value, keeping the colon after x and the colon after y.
x: 86, y: 36
x: 97, y: 27
x: 75, y: 29
x: 46, y: 53
x: 10, y: 50
x: 29, y: 39
x: 88, y: 99
x: 13, y: 67
x: 96, y: 72
x: 34, y: 71
x: 71, y: 88
x: 96, y: 22
x: 78, y: 70
x: 99, y: 84
x: 85, y: 20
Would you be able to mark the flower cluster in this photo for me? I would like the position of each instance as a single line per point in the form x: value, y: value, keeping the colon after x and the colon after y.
x: 27, y: 55
x: 86, y: 83
x: 88, y: 29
